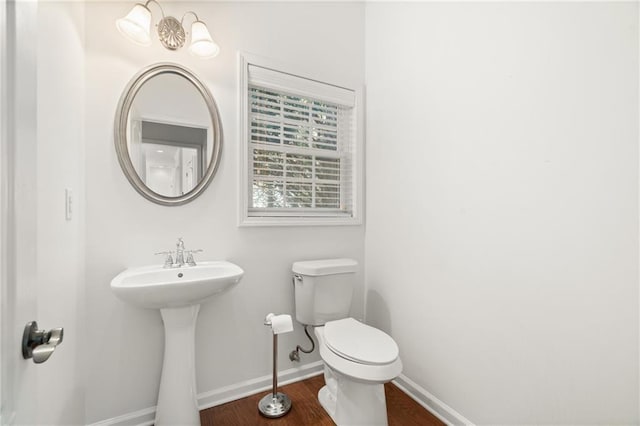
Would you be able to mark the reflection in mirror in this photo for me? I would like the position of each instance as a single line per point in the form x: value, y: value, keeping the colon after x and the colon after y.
x: 169, y: 158
x: 168, y: 134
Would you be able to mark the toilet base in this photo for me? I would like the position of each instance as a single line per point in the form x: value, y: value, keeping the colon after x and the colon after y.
x: 352, y: 403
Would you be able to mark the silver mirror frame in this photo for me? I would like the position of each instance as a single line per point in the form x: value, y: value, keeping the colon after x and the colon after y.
x: 120, y: 133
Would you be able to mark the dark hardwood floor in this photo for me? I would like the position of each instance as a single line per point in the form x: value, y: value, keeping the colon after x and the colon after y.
x: 307, y: 411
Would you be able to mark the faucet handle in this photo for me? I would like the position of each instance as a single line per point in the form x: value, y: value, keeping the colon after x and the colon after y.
x: 190, y: 261
x: 168, y: 261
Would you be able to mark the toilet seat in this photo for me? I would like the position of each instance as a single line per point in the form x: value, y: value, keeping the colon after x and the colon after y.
x: 359, y: 342
x: 365, y: 373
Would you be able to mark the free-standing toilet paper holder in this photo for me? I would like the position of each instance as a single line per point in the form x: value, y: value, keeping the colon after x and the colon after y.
x: 276, y: 404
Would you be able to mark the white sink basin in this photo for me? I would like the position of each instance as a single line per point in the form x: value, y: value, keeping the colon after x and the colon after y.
x: 158, y: 287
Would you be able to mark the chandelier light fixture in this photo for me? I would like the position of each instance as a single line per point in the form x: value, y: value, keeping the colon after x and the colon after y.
x: 136, y: 26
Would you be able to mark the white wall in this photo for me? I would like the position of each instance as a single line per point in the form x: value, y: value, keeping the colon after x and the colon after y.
x: 123, y: 229
x: 502, y: 205
x: 60, y: 242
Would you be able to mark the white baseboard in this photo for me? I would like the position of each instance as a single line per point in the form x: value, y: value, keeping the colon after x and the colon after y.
x: 144, y: 417
x: 220, y: 396
x: 253, y: 386
x: 243, y: 389
x: 430, y: 402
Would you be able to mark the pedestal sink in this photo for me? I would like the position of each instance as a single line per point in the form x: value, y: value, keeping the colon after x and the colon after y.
x: 178, y: 293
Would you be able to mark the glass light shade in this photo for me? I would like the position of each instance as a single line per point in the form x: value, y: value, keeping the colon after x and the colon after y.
x: 136, y: 25
x: 202, y: 45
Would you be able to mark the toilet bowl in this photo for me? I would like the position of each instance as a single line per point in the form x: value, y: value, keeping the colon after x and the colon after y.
x: 358, y: 360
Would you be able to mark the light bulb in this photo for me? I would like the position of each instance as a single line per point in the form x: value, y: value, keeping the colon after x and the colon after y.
x: 202, y: 45
x: 136, y: 25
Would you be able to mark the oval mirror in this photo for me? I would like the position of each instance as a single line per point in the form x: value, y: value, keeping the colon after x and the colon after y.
x: 168, y: 135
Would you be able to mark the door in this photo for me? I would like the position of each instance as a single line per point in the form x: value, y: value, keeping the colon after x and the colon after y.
x: 18, y: 198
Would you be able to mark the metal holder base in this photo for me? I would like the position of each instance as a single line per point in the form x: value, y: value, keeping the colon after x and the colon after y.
x: 274, y: 406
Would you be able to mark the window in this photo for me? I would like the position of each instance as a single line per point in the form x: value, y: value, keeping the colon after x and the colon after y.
x: 300, y: 159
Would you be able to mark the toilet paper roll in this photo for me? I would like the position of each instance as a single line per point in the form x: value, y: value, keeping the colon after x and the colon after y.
x: 281, y: 324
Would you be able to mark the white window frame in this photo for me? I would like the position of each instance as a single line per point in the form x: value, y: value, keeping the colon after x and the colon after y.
x: 303, y: 218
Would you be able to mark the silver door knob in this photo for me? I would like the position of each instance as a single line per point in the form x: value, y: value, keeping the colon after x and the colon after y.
x: 40, y: 344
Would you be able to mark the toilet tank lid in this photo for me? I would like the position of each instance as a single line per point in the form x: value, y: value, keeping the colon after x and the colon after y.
x: 325, y: 267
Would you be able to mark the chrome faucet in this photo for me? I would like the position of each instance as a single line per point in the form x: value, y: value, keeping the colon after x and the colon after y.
x: 180, y: 256
x: 180, y: 253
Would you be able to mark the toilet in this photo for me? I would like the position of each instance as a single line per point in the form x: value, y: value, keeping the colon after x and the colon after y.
x: 358, y: 359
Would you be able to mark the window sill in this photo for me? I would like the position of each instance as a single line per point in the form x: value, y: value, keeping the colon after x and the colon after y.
x: 255, y: 221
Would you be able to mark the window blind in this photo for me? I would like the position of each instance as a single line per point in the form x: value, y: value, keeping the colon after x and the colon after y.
x: 301, y: 146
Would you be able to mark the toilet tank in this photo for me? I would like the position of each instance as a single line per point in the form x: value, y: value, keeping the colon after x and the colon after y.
x: 323, y: 289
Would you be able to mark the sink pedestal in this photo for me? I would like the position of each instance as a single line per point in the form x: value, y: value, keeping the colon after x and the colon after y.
x: 177, y: 398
